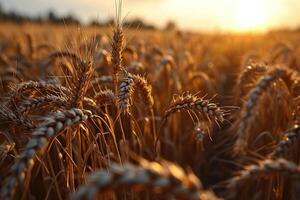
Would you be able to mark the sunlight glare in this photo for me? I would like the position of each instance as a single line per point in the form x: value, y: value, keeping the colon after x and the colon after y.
x: 251, y: 15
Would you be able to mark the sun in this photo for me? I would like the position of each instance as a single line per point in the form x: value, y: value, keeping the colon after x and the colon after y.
x: 251, y: 15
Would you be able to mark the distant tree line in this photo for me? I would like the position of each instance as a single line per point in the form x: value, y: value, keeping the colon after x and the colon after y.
x: 52, y: 17
x: 133, y: 23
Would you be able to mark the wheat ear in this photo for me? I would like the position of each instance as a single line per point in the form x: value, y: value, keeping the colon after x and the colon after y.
x: 84, y: 75
x: 52, y: 125
x: 247, y: 74
x: 35, y: 103
x: 42, y: 85
x: 125, y: 92
x: 203, y: 106
x: 249, y: 106
x: 265, y: 168
x: 17, y: 118
x: 117, y: 49
x: 117, y: 45
x: 128, y: 85
x: 104, y: 97
x: 141, y: 84
x: 164, y: 178
x: 287, y: 143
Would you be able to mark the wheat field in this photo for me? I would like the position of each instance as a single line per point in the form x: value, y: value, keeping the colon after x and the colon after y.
x: 111, y: 113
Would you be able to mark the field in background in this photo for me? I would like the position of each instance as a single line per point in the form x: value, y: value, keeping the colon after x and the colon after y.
x: 107, y: 113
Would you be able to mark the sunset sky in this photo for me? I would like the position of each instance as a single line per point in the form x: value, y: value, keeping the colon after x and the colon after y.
x: 225, y: 15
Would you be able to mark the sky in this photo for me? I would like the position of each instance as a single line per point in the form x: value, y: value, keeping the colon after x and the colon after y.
x: 209, y: 15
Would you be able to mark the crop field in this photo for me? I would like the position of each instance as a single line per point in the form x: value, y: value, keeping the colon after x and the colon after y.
x: 112, y: 113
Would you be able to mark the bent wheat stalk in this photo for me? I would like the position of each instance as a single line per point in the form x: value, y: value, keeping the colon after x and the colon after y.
x: 164, y: 178
x: 208, y: 110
